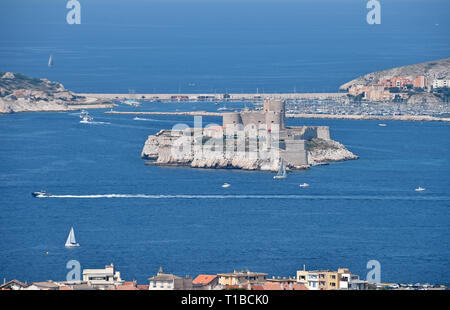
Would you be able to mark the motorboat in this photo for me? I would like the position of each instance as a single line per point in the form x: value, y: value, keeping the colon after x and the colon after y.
x: 40, y: 194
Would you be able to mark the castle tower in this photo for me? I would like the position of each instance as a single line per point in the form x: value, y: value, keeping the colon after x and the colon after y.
x: 231, y: 119
x: 275, y: 113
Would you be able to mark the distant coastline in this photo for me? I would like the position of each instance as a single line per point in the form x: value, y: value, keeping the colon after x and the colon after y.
x: 413, y: 118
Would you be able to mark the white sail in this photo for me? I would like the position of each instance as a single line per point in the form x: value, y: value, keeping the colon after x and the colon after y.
x: 71, y: 241
x: 50, y: 61
x: 281, y: 172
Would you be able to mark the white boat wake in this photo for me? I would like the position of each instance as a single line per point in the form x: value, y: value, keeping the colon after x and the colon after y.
x: 308, y: 197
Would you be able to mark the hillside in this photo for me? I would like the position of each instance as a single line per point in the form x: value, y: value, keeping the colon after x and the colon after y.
x: 20, y: 93
x: 437, y: 69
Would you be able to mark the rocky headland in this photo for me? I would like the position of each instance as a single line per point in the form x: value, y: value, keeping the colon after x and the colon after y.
x: 20, y: 93
x: 432, y: 70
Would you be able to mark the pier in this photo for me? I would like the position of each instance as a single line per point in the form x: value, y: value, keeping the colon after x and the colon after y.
x: 209, y: 96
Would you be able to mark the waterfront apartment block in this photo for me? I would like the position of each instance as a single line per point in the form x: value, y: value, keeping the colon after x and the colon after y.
x: 102, y: 278
x: 242, y: 278
x: 441, y: 83
x: 330, y: 280
x: 167, y: 281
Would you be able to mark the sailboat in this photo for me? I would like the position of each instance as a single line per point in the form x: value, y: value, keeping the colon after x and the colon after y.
x: 71, y: 242
x: 50, y: 61
x: 281, y: 172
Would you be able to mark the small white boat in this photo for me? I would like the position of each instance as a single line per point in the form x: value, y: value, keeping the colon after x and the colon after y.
x: 382, y: 125
x: 71, y: 241
x: 419, y: 189
x: 304, y: 185
x: 85, y: 117
x: 225, y: 185
x: 281, y: 172
x: 40, y: 194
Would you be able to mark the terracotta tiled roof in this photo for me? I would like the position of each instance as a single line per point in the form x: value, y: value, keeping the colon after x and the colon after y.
x: 142, y: 287
x: 204, y: 279
x: 126, y: 288
x: 270, y: 286
x: 299, y: 287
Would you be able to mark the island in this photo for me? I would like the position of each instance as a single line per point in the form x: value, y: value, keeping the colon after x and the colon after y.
x: 249, y: 140
x: 20, y: 93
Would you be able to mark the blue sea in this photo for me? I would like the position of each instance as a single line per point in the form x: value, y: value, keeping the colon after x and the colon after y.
x: 142, y: 217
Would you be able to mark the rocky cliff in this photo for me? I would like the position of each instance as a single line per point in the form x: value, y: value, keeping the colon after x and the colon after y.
x: 159, y: 149
x: 20, y: 93
x: 437, y: 69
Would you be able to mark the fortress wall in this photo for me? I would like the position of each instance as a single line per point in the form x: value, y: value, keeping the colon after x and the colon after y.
x: 274, y: 118
x: 253, y: 117
x: 310, y: 132
x: 323, y: 132
x: 233, y: 118
x: 295, y: 153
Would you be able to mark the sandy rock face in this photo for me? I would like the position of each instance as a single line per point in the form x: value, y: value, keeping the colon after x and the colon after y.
x: 326, y: 151
x: 162, y: 148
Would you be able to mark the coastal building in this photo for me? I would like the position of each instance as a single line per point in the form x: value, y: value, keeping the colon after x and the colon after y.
x: 102, y: 278
x: 330, y: 280
x: 349, y: 281
x: 441, y: 83
x: 13, y: 285
x: 242, y: 278
x: 206, y: 282
x: 167, y: 281
x: 43, y: 286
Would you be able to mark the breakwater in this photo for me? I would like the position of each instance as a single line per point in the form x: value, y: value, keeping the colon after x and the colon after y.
x: 411, y: 118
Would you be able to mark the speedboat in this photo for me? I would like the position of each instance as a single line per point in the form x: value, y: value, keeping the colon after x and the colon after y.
x: 304, y: 185
x: 419, y: 189
x: 382, y: 125
x: 225, y: 185
x: 40, y: 194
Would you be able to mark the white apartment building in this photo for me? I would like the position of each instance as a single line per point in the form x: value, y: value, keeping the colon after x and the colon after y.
x: 440, y: 83
x: 102, y: 278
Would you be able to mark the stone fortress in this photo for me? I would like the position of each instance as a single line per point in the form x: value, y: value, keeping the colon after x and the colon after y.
x: 292, y: 140
x: 299, y: 146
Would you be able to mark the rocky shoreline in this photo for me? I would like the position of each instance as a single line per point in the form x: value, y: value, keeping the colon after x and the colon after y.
x: 158, y: 150
x: 20, y: 93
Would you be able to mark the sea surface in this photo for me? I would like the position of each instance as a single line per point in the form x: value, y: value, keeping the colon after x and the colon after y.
x: 142, y: 217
